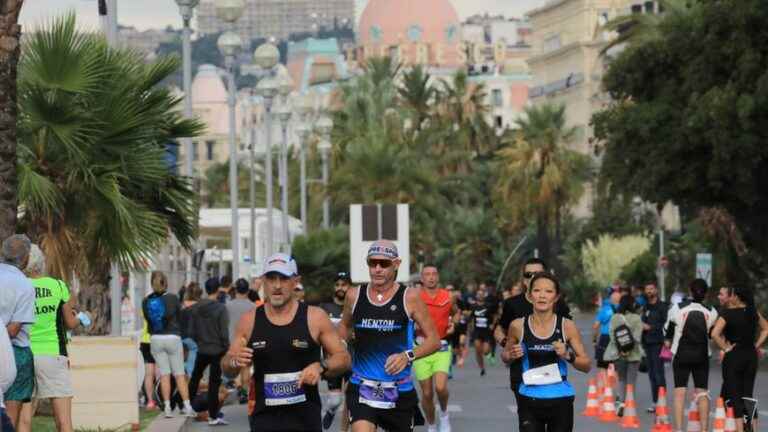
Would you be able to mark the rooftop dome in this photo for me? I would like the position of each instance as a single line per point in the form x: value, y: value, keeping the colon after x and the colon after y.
x: 391, y: 22
x: 208, y: 87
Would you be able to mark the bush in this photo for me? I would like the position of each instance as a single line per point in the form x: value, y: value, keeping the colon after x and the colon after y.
x: 604, y: 259
x: 581, y: 292
x: 640, y: 270
x: 320, y: 255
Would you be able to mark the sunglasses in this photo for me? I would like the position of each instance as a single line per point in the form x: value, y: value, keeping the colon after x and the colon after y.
x: 529, y: 275
x: 372, y: 263
x: 297, y: 290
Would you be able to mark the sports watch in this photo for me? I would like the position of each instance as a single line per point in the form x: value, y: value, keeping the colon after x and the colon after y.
x: 411, y: 356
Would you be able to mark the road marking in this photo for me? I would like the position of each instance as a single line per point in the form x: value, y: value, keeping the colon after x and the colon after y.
x: 454, y: 408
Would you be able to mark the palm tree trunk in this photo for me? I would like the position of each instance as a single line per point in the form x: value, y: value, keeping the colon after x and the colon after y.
x: 94, y: 298
x: 9, y: 59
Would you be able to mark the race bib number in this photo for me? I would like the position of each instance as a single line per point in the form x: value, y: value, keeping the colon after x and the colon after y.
x: 283, y: 389
x: 549, y: 374
x: 378, y: 394
x: 481, y: 322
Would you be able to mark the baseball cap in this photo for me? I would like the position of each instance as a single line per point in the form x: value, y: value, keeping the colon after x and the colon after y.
x: 280, y: 263
x: 383, y: 248
x: 343, y: 276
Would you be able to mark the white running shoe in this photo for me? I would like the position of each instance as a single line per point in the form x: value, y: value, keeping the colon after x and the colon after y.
x: 217, y: 422
x: 445, y: 423
x: 188, y: 411
x: 168, y: 411
x: 431, y: 428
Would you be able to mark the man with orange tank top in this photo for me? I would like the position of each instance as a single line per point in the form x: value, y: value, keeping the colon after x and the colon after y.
x: 432, y: 371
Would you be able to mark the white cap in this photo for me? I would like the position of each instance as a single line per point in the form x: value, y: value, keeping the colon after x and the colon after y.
x: 280, y: 263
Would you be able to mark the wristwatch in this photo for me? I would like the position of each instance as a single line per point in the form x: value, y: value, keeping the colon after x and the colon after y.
x: 411, y: 356
x: 323, y: 368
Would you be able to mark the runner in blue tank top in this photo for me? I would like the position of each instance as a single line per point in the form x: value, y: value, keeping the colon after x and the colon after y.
x: 546, y: 342
x: 378, y: 321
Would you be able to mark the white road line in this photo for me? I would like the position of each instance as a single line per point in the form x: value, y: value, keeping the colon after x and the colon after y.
x: 454, y: 408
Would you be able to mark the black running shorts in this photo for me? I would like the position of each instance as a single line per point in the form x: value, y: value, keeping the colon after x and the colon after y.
x: 397, y: 419
x: 700, y: 371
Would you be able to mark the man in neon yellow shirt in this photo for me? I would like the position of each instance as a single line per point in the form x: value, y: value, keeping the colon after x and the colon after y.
x: 55, y: 314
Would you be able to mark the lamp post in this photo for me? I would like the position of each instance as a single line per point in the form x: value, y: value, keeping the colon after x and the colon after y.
x: 284, y: 88
x: 266, y: 56
x: 305, y: 110
x: 325, y: 125
x: 252, y: 183
x: 229, y: 44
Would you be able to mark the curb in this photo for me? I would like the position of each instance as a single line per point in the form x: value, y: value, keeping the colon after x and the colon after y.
x: 175, y: 424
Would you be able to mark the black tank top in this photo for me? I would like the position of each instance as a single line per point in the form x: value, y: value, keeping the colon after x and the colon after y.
x: 380, y: 331
x: 279, y: 354
x: 539, y: 352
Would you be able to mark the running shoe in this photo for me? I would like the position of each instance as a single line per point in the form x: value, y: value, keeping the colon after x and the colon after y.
x: 243, y: 397
x: 620, y: 409
x: 650, y: 410
x: 431, y: 428
x: 482, y: 372
x: 328, y: 419
x: 188, y: 411
x: 445, y: 423
x: 151, y: 405
x: 168, y: 411
x: 492, y: 360
x: 218, y: 421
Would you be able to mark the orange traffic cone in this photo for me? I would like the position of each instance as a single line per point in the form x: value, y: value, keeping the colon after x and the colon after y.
x: 600, y: 390
x: 694, y: 421
x: 718, y: 424
x: 608, y: 413
x: 593, y: 405
x: 730, y: 420
x: 630, y: 419
x: 613, y: 377
x: 662, y: 413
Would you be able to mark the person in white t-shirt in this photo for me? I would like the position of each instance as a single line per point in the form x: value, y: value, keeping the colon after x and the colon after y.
x: 7, y: 375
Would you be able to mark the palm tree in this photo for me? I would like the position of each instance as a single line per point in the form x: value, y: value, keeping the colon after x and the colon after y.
x: 417, y: 95
x: 9, y: 58
x: 637, y: 29
x: 95, y: 186
x: 540, y: 176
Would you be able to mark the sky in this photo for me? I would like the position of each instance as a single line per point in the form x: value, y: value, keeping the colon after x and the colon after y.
x: 144, y: 14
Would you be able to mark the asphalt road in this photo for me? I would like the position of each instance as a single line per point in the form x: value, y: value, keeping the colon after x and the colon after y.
x: 486, y: 404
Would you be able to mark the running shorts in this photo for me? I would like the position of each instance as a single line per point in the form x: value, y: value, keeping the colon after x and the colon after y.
x: 52, y: 377
x: 483, y: 335
x: 24, y: 385
x: 168, y: 353
x: 397, y: 419
x: 700, y: 371
x: 146, y: 353
x: 552, y: 415
x: 455, y: 337
x: 439, y: 361
x: 602, y: 344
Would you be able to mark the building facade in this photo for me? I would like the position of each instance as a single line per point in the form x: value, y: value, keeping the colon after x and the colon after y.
x: 278, y: 18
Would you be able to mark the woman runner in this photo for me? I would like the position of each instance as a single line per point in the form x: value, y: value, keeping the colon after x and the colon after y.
x: 542, y: 340
x: 740, y: 331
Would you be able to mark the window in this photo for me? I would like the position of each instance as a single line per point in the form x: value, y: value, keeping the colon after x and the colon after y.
x: 636, y: 9
x: 496, y: 98
x: 551, y: 43
x: 379, y: 222
x: 649, y: 7
x: 194, y: 150
x: 499, y: 120
x: 209, y: 149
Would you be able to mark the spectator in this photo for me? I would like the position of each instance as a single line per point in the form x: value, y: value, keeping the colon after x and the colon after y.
x: 687, y: 334
x: 624, y: 347
x: 210, y: 329
x: 7, y: 375
x: 225, y: 285
x: 740, y: 332
x: 55, y: 314
x: 639, y: 294
x: 17, y: 309
x: 162, y: 310
x: 654, y: 317
x: 256, y: 294
x: 193, y: 294
x: 601, y: 328
x: 235, y: 310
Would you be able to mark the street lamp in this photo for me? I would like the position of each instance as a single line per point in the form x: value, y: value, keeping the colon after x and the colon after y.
x: 325, y: 125
x: 266, y: 56
x: 304, y: 108
x: 186, y: 9
x: 229, y: 43
x: 284, y: 88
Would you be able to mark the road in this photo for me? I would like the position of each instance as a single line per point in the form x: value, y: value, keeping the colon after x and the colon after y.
x: 486, y: 404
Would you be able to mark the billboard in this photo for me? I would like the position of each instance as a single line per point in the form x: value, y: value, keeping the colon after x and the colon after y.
x: 371, y: 222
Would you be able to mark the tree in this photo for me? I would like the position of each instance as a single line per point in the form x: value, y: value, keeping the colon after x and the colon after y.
x: 605, y: 258
x: 540, y: 175
x: 94, y: 182
x: 10, y: 32
x: 321, y: 255
x: 684, y: 128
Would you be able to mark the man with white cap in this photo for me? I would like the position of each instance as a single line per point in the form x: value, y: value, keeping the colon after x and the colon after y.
x: 378, y: 320
x: 282, y: 341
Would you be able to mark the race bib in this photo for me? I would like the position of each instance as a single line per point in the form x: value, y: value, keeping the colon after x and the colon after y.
x: 283, y: 389
x: 378, y: 394
x: 444, y: 346
x: 549, y: 374
x: 481, y: 322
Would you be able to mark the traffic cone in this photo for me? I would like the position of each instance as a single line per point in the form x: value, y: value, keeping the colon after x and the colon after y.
x: 600, y: 390
x: 593, y: 405
x: 630, y: 419
x: 613, y: 377
x: 718, y: 424
x: 662, y: 413
x: 608, y: 413
x: 694, y: 421
x: 730, y: 420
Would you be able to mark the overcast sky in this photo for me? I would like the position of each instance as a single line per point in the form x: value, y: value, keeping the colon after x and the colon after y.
x: 145, y: 14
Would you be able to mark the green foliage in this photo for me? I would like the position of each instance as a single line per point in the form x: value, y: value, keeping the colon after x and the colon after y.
x: 320, y: 255
x: 94, y: 135
x: 687, y: 123
x: 641, y: 270
x: 582, y: 292
x: 604, y: 259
